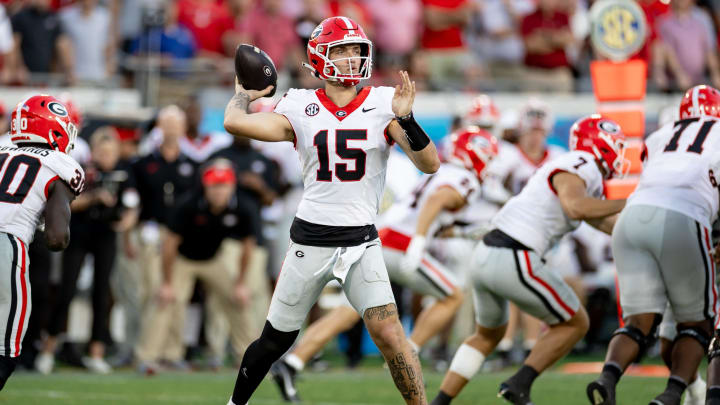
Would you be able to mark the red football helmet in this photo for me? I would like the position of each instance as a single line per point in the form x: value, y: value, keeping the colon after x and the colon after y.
x: 335, y: 31
x: 483, y: 113
x: 473, y: 148
x: 42, y: 119
x: 604, y: 139
x: 700, y: 100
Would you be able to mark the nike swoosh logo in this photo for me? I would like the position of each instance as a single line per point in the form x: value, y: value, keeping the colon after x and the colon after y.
x: 368, y: 109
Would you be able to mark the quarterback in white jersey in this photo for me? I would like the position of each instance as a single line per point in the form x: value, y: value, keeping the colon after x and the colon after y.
x: 405, y: 229
x: 38, y: 180
x: 343, y: 138
x: 508, y: 263
x: 662, y: 248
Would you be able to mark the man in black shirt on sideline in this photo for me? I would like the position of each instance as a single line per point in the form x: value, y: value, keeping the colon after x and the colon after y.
x: 197, y: 228
x: 162, y: 178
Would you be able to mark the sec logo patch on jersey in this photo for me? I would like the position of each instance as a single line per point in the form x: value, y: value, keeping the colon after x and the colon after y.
x: 312, y: 109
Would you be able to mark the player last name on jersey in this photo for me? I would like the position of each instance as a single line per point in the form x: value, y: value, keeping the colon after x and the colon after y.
x: 30, y: 149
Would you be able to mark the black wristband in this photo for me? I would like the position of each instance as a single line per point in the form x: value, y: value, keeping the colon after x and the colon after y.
x: 417, y: 138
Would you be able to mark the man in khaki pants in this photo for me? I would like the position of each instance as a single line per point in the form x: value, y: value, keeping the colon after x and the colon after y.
x: 197, y: 228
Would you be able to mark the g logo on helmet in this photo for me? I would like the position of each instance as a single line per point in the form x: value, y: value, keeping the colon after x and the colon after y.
x: 267, y: 70
x: 609, y: 127
x: 316, y: 32
x: 57, y: 109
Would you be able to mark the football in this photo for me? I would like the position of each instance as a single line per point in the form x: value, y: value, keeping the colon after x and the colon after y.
x: 254, y: 68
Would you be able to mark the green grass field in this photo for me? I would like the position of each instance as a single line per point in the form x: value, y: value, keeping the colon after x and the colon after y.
x: 368, y: 385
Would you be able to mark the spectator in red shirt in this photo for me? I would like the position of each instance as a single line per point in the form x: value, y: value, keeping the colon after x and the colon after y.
x: 208, y: 21
x: 448, y: 59
x: 546, y: 34
x: 273, y: 32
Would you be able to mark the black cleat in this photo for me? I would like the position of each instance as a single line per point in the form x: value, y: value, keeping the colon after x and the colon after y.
x: 667, y: 398
x: 514, y: 395
x: 599, y: 393
x: 284, y: 377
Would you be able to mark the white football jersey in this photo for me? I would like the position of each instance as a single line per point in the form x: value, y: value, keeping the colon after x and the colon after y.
x: 403, y: 216
x: 343, y: 153
x: 25, y: 177
x: 535, y: 217
x: 679, y: 166
x: 514, y: 168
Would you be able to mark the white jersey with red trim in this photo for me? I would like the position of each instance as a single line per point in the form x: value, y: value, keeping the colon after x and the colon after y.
x: 343, y: 153
x: 25, y: 177
x: 514, y: 168
x: 535, y: 217
x: 681, y: 168
x: 403, y: 216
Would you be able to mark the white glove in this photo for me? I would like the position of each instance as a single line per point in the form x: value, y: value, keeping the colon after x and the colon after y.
x: 413, y: 255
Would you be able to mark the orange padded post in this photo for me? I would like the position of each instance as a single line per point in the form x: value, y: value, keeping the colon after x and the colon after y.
x: 619, y: 81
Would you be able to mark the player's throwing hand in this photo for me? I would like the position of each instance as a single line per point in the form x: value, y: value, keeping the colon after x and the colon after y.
x: 252, y: 94
x: 404, y: 97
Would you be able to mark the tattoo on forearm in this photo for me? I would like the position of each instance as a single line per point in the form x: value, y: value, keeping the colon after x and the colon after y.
x: 380, y: 313
x: 407, y: 378
x: 241, y: 101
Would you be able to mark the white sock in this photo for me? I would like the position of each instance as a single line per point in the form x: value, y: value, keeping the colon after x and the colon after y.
x: 697, y: 385
x: 295, y: 362
x: 414, y: 345
x: 505, y: 345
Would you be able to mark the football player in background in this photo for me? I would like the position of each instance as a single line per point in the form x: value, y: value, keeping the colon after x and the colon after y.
x: 508, y: 264
x: 663, y: 253
x: 406, y: 229
x: 343, y: 137
x: 47, y: 182
x: 507, y: 176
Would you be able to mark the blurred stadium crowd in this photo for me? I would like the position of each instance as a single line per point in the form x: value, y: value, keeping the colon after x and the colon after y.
x: 509, y: 45
x: 164, y: 207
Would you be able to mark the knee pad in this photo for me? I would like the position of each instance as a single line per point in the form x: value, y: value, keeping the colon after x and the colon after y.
x: 7, y: 366
x: 275, y: 341
x: 714, y: 348
x: 694, y: 332
x: 643, y: 341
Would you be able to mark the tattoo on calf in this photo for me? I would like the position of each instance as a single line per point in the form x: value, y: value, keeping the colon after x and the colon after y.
x: 380, y: 313
x: 407, y: 379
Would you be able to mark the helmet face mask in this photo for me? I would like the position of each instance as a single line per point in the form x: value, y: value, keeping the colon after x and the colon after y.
x: 332, y: 33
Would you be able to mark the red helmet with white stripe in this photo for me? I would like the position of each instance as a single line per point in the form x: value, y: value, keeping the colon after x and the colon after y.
x: 603, y: 138
x: 43, y: 120
x: 483, y: 113
x: 473, y: 148
x: 332, y: 32
x: 700, y: 101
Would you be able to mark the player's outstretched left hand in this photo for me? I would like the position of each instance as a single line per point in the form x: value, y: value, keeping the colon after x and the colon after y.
x: 404, y: 97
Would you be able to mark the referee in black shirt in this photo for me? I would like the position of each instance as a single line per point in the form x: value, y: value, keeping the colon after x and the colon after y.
x: 191, y: 250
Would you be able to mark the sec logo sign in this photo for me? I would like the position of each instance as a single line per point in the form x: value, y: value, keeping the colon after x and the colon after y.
x: 619, y: 28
